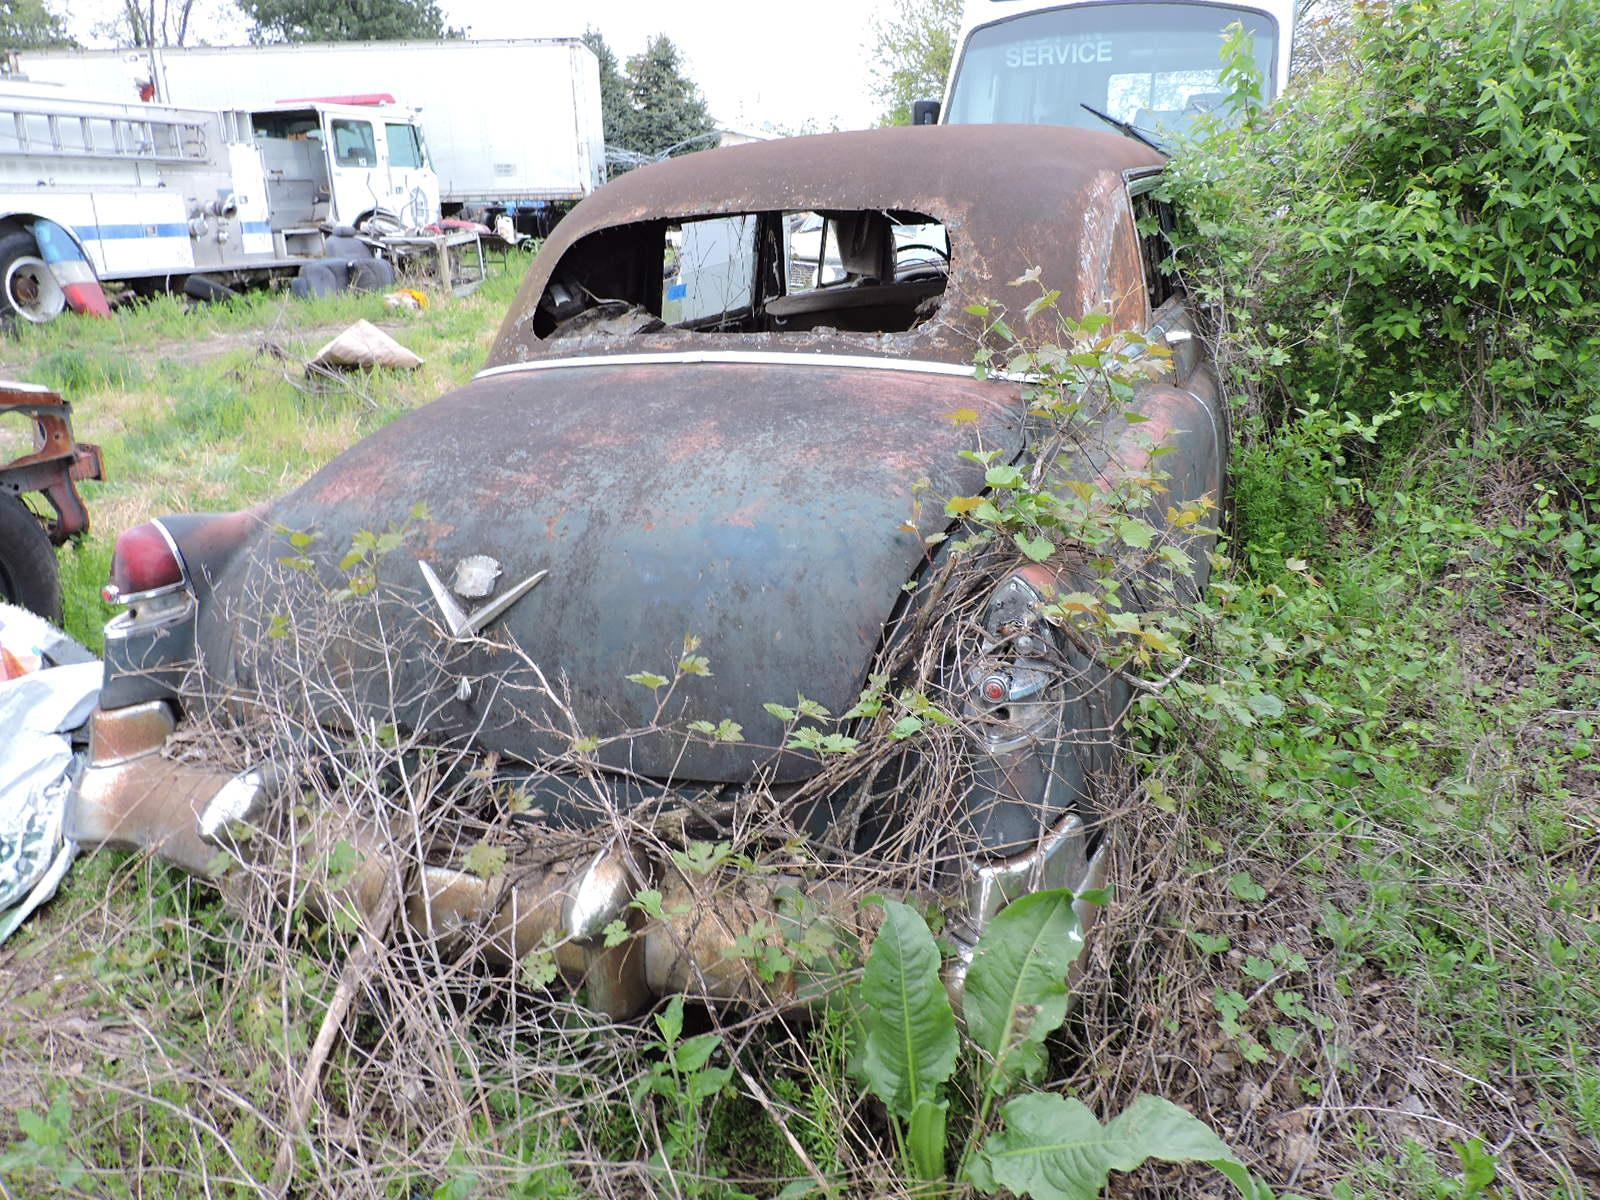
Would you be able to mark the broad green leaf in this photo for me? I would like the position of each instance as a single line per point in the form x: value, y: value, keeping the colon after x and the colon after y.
x: 1265, y: 704
x: 670, y: 1021
x: 485, y: 861
x: 695, y: 1052
x: 905, y: 727
x: 1246, y: 888
x: 925, y: 1139
x: 1004, y: 477
x: 1210, y: 943
x: 908, y: 1031
x: 1053, y: 1148
x: 1036, y: 548
x: 1016, y: 991
x: 1038, y: 306
x: 648, y: 679
x: 1135, y: 532
x: 703, y: 1085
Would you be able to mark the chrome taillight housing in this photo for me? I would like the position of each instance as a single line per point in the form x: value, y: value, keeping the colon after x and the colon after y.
x: 1014, y: 691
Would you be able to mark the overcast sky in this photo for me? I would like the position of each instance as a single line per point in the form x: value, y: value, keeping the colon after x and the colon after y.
x: 757, y: 64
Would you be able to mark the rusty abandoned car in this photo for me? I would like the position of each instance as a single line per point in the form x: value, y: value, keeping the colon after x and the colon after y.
x: 687, y: 449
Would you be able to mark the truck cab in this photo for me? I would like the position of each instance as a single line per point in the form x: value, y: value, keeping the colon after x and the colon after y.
x: 1154, y: 67
x: 345, y: 161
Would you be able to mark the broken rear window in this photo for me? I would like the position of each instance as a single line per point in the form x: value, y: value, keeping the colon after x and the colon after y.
x: 872, y: 271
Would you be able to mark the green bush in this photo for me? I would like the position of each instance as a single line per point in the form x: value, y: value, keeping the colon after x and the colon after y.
x: 1424, y: 218
x: 1410, y: 241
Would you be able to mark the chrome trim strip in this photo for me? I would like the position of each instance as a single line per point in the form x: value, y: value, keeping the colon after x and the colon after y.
x: 1216, y: 429
x: 771, y: 358
x: 125, y: 625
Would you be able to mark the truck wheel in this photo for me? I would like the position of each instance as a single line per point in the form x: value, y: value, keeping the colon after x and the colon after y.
x: 27, y: 288
x: 27, y: 562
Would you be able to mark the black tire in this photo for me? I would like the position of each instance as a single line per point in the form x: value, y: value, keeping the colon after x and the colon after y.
x: 204, y: 288
x: 18, y: 247
x: 28, y: 575
x: 316, y: 279
x: 370, y: 275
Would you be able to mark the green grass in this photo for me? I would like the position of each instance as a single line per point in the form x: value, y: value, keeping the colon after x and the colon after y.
x: 193, y: 414
x: 1421, y: 798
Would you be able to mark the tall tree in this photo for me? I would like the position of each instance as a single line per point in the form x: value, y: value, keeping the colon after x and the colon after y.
x: 913, y: 45
x: 665, y: 109
x: 616, y: 108
x: 345, y: 20
x: 154, y: 22
x: 31, y: 25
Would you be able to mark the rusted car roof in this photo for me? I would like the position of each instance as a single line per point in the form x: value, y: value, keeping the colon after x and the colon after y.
x: 1011, y: 197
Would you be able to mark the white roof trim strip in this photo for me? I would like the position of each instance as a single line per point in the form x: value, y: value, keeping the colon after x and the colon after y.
x: 772, y: 358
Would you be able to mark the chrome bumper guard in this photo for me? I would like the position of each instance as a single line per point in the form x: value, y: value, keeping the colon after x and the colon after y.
x: 129, y: 795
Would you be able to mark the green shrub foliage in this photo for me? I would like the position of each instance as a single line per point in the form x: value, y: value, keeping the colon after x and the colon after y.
x: 1423, y: 218
x: 1405, y: 250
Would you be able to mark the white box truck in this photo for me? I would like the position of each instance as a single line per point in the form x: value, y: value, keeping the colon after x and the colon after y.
x: 511, y: 125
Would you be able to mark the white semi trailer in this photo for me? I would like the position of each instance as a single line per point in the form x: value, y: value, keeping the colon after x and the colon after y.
x: 512, y: 125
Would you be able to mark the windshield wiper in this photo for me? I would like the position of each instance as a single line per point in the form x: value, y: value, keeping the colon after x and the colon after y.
x: 1124, y: 128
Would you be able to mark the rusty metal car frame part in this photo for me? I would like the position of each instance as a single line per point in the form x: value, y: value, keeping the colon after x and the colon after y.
x: 57, y: 463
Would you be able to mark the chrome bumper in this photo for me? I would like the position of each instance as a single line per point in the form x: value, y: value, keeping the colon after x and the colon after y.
x: 129, y: 795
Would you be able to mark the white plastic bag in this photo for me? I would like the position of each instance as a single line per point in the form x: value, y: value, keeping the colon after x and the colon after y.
x: 38, y: 712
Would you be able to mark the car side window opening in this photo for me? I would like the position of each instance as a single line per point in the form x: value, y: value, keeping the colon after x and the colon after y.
x: 857, y: 271
x: 353, y: 144
x: 1155, y: 222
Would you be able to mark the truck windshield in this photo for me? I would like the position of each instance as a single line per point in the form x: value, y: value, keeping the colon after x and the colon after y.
x: 1155, y: 66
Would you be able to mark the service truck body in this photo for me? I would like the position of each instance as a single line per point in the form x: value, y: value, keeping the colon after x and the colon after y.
x: 509, y: 123
x: 156, y: 193
x: 1153, y: 66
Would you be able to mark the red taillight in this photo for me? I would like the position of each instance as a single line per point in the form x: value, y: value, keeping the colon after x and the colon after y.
x: 145, y: 560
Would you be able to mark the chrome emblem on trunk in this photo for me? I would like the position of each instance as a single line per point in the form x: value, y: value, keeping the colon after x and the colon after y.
x: 465, y: 626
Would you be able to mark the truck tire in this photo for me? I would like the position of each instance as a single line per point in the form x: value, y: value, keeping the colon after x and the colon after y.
x: 28, y: 576
x: 28, y: 291
x: 206, y: 289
